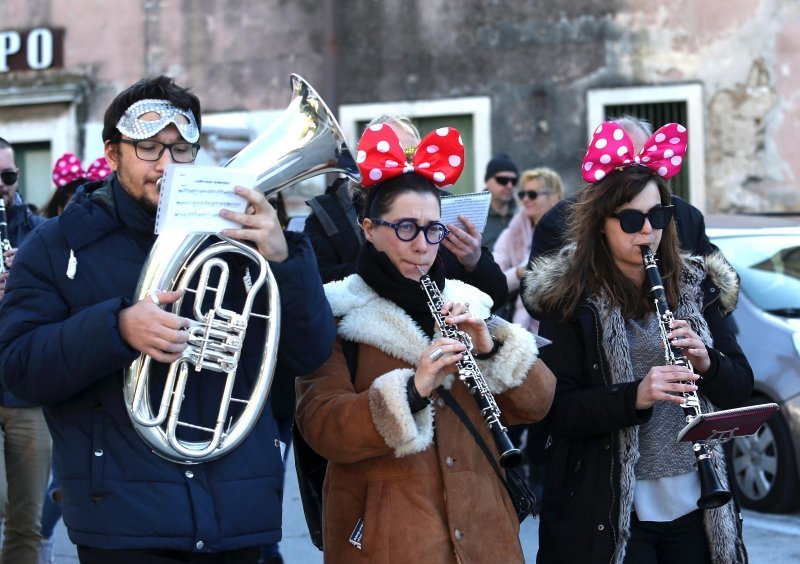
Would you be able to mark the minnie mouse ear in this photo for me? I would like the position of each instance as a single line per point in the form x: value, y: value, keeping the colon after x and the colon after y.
x: 98, y: 170
x: 68, y: 168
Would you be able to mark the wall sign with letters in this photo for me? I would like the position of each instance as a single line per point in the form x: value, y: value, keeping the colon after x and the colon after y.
x: 31, y: 49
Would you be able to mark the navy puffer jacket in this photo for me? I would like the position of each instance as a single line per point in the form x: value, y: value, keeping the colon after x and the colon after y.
x: 60, y: 346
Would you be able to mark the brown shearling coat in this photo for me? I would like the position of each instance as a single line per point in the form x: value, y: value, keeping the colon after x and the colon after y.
x: 425, y: 492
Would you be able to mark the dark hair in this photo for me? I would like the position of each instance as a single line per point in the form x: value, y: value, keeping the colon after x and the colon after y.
x: 158, y: 88
x: 380, y: 197
x: 592, y: 269
x: 60, y: 198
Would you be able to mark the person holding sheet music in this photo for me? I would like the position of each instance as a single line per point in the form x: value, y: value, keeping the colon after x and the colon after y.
x: 620, y: 487
x: 334, y: 228
x: 70, y: 325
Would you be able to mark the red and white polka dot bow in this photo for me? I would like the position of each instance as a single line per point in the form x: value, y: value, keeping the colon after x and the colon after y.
x: 69, y: 168
x: 439, y: 156
x: 611, y: 148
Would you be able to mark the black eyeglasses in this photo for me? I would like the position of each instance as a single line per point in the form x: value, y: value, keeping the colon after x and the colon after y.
x: 632, y: 221
x: 9, y: 177
x: 506, y: 180
x: 532, y: 194
x: 149, y: 150
x: 408, y: 230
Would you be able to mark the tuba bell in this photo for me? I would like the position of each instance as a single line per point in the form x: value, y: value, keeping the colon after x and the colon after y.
x: 305, y: 141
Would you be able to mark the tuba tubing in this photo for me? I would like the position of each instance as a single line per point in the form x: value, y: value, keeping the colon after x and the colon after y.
x: 304, y: 142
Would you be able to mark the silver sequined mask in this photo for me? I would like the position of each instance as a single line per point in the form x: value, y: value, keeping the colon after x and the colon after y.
x: 133, y: 126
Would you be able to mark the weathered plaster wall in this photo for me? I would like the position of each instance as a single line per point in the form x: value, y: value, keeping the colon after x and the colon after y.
x: 745, y: 54
x: 535, y: 59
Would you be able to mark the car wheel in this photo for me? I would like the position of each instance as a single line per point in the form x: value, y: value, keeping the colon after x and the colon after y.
x: 764, y: 468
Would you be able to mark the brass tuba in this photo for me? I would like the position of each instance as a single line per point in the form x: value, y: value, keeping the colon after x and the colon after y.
x: 306, y: 141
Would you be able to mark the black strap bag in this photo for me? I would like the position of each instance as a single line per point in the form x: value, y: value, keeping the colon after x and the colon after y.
x: 522, y: 497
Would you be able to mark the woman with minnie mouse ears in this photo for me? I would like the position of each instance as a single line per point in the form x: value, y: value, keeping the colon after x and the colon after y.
x: 620, y: 487
x: 68, y: 174
x: 399, y: 488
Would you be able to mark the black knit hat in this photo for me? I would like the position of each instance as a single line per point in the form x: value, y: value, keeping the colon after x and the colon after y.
x: 500, y: 162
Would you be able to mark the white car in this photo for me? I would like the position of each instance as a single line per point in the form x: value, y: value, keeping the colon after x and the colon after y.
x: 765, y: 251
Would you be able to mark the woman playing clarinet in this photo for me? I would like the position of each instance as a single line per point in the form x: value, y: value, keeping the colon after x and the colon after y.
x: 406, y: 480
x: 621, y: 488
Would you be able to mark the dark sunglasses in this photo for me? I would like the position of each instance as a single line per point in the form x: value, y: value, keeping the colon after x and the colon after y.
x: 9, y: 177
x: 532, y: 194
x: 506, y: 180
x: 408, y: 230
x: 632, y: 221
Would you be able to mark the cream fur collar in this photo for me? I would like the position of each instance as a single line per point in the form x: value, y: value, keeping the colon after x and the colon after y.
x: 367, y: 318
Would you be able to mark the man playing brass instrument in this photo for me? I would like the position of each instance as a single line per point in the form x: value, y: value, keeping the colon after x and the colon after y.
x: 68, y: 329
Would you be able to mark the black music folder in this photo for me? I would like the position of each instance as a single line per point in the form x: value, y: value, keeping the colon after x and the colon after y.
x: 729, y: 423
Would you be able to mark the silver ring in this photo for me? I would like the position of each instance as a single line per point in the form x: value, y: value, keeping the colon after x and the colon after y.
x: 154, y: 296
x: 436, y: 354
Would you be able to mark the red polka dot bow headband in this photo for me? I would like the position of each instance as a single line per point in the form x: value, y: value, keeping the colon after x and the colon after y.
x: 611, y: 148
x: 439, y: 156
x: 68, y: 168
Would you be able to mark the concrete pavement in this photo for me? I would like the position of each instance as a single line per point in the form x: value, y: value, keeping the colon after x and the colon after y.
x: 768, y: 537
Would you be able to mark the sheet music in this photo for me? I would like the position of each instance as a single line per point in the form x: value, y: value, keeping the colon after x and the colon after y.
x: 192, y: 196
x: 474, y: 205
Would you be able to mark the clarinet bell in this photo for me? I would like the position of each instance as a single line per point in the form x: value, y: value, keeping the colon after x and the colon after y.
x: 511, y: 458
x: 712, y: 494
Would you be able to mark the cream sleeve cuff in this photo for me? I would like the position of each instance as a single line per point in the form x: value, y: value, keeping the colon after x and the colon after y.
x: 405, y: 432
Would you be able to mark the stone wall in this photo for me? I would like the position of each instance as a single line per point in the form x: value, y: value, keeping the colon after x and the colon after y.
x: 535, y: 59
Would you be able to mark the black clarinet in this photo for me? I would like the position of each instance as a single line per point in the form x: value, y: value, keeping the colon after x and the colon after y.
x: 5, y: 244
x: 712, y: 494
x: 470, y: 374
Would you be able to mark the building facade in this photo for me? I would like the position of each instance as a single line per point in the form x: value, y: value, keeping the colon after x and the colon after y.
x: 531, y: 78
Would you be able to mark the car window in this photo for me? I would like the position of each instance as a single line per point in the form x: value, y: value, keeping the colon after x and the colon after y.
x: 769, y: 267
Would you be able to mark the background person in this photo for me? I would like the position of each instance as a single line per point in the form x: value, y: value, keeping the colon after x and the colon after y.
x: 417, y: 493
x: 68, y: 175
x: 540, y: 190
x: 24, y: 440
x: 68, y: 328
x: 620, y: 487
x: 501, y: 181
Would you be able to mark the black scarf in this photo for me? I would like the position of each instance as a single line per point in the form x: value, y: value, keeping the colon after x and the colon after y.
x: 383, y: 277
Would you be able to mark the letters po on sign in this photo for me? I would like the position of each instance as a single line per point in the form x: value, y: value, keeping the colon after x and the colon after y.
x: 35, y: 49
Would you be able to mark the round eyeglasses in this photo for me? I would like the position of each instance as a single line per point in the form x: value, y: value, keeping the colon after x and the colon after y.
x: 408, y: 230
x: 148, y: 150
x: 632, y: 221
